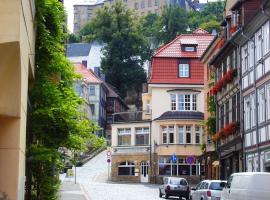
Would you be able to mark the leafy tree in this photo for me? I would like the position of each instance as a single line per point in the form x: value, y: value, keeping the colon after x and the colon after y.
x: 125, y: 46
x: 173, y: 22
x: 72, y: 38
x: 209, y: 18
x: 53, y: 119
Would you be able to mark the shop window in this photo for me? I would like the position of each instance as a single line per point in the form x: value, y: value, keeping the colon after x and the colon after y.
x: 126, y: 169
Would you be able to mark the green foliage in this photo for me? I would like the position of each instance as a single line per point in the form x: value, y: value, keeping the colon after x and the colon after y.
x: 211, y: 125
x: 125, y: 46
x: 72, y: 38
x: 54, y: 119
x: 164, y: 28
x: 211, y: 104
x: 173, y: 21
x: 209, y: 18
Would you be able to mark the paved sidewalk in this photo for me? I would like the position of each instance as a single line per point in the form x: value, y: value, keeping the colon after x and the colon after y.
x: 71, y: 191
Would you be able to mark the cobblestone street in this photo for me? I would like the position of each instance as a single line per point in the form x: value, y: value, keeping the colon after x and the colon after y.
x: 93, y: 178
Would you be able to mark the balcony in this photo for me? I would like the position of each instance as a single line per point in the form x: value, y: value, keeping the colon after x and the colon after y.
x: 131, y: 150
x: 124, y: 117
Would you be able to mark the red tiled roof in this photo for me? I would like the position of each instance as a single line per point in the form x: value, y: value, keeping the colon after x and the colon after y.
x: 87, y: 74
x: 173, y: 49
x: 164, y: 66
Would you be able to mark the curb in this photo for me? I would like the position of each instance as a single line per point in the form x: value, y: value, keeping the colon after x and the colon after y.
x: 87, y: 197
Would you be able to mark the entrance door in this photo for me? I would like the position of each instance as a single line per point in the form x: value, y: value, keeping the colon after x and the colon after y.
x: 144, y: 172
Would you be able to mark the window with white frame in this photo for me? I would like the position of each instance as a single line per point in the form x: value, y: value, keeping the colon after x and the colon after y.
x: 244, y: 58
x: 147, y: 106
x: 92, y: 89
x: 173, y: 101
x: 268, y: 101
x: 251, y: 53
x: 259, y: 71
x: 247, y: 113
x: 258, y: 45
x: 180, y: 134
x: 252, y: 110
x: 126, y: 169
x: 248, y: 140
x: 261, y: 105
x: 164, y: 135
x: 184, y: 70
x: 142, y: 136
x: 266, y: 44
x: 189, y: 48
x: 194, y: 102
x: 262, y: 134
x: 124, y: 136
x: 184, y: 102
x: 188, y: 134
x: 171, y: 134
x: 197, y: 134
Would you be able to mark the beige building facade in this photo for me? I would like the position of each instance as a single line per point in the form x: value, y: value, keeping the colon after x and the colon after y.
x: 17, y: 48
x: 131, y: 151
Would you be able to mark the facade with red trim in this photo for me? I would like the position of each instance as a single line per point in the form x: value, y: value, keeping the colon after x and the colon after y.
x: 175, y: 104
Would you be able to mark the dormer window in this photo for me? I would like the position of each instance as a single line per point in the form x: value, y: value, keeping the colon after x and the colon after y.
x: 189, y: 48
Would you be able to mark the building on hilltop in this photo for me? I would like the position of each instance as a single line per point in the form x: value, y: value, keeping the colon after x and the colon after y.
x: 17, y: 72
x: 84, y: 12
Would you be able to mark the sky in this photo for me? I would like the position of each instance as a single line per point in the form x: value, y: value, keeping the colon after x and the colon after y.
x: 69, y: 8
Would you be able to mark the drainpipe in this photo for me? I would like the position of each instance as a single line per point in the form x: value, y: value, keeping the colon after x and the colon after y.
x: 150, y: 131
x: 256, y: 99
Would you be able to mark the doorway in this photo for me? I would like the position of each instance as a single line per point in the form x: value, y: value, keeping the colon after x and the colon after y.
x: 144, y: 172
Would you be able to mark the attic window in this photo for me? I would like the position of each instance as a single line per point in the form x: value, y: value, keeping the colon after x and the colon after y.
x: 189, y: 48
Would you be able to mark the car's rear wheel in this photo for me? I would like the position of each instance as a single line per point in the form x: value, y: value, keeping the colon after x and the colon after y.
x: 160, y: 194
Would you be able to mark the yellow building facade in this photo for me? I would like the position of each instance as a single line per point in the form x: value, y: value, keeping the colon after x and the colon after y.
x: 17, y: 48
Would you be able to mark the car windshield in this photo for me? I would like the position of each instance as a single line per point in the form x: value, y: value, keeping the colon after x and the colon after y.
x: 215, y: 186
x: 175, y: 181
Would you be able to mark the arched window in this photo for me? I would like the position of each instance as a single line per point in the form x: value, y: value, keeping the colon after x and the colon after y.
x: 126, y: 168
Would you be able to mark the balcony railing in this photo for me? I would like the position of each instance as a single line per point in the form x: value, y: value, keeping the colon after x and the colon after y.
x: 127, y: 117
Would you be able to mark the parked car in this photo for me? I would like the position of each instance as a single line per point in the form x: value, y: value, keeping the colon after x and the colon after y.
x: 207, y: 190
x: 174, y: 186
x: 247, y: 186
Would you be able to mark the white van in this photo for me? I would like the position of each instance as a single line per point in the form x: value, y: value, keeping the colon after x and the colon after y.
x: 247, y: 186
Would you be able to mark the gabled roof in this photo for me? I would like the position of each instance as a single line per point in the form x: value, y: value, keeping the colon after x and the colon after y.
x: 87, y: 74
x: 164, y: 65
x: 78, y: 49
x: 199, y: 37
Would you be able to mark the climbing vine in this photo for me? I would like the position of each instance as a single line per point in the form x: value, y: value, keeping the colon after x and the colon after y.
x: 54, y: 119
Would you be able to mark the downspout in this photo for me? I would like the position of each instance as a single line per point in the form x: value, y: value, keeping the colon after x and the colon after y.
x: 151, y: 165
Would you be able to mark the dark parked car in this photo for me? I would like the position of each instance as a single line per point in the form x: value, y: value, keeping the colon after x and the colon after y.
x: 174, y: 186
